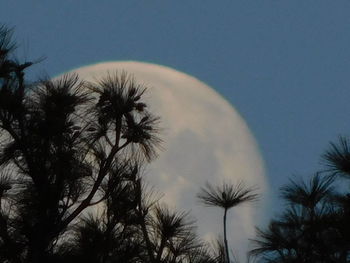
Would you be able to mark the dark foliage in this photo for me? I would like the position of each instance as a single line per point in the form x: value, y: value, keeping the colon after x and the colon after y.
x: 71, y: 187
x: 314, y: 226
x: 226, y: 197
x: 337, y: 158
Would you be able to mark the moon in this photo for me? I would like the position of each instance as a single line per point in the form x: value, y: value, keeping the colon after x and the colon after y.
x: 205, y: 140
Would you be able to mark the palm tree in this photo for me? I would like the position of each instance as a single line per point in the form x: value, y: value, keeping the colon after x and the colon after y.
x: 226, y: 196
x: 63, y: 143
x: 314, y: 227
x: 309, y: 230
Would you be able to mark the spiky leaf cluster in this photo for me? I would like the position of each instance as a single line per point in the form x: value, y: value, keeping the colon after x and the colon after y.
x: 71, y: 161
x: 227, y: 195
x: 312, y: 228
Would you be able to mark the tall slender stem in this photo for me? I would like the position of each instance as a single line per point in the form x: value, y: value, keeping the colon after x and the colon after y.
x: 225, y: 237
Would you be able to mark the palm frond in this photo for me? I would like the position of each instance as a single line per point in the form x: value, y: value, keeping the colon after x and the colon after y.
x: 120, y: 107
x: 171, y: 224
x: 227, y: 195
x: 143, y: 135
x: 118, y: 94
x: 337, y: 158
x: 308, y: 195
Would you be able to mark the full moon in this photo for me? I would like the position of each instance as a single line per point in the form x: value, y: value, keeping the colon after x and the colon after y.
x: 205, y: 140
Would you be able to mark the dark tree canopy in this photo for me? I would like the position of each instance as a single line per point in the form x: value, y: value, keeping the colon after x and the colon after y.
x: 72, y: 190
x: 71, y: 186
x: 315, y: 226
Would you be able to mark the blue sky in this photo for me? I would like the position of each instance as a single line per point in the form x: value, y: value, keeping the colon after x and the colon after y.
x: 284, y: 65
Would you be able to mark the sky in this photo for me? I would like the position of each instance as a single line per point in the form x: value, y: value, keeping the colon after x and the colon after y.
x: 283, y: 65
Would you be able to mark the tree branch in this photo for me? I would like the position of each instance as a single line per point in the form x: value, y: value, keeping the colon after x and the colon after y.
x: 101, y: 175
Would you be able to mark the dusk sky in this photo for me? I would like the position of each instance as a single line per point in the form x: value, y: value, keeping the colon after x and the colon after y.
x: 283, y: 65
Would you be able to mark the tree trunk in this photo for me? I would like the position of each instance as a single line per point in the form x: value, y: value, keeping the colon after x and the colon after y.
x: 225, y: 238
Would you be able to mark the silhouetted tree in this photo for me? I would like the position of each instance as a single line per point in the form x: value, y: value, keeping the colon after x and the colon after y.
x: 226, y: 196
x: 315, y: 225
x: 71, y: 186
x: 66, y: 146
